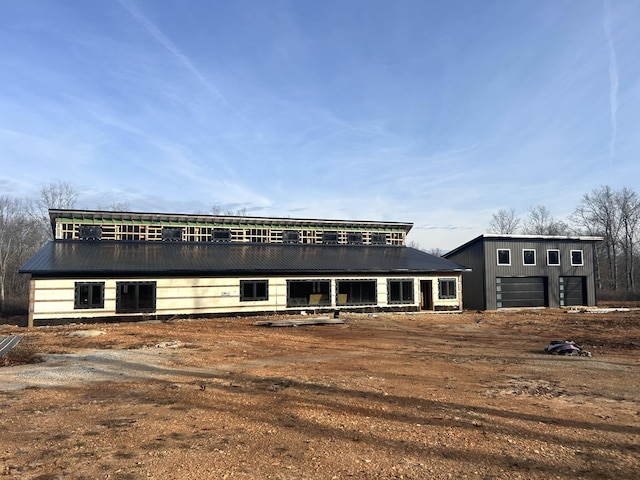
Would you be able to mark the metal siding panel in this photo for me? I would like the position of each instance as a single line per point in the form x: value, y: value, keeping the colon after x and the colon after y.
x: 471, y: 256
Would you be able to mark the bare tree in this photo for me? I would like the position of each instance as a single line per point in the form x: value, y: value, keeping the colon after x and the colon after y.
x: 115, y: 206
x: 58, y: 195
x: 504, y: 222
x: 598, y: 214
x: 629, y: 205
x: 54, y: 195
x: 414, y: 244
x: 436, y: 252
x: 218, y: 210
x: 19, y: 239
x: 541, y: 222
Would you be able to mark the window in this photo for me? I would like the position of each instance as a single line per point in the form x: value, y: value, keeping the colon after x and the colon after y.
x: 90, y: 232
x: 447, y: 288
x: 253, y: 290
x: 400, y: 291
x: 290, y: 236
x: 528, y: 256
x: 308, y: 293
x: 504, y: 256
x: 221, y: 235
x: 354, y: 238
x: 89, y: 295
x: 171, y: 234
x: 576, y: 258
x: 356, y: 292
x: 330, y: 237
x: 135, y: 297
x: 553, y: 257
x: 378, y: 238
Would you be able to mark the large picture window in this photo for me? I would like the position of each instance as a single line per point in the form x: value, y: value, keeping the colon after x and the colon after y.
x: 171, y: 234
x: 447, y: 288
x: 330, y: 238
x: 90, y: 232
x: 89, y: 295
x: 354, y: 238
x: 254, y: 290
x: 290, y: 236
x: 135, y: 297
x: 400, y: 291
x: 308, y: 293
x: 221, y: 235
x: 356, y: 292
x: 378, y: 239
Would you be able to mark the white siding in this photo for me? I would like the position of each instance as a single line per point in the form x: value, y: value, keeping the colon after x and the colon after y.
x: 55, y: 298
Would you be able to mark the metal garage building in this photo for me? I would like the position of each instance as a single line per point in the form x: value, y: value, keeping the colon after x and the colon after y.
x: 527, y: 271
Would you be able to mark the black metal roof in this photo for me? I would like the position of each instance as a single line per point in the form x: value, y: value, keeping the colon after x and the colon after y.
x: 72, y: 257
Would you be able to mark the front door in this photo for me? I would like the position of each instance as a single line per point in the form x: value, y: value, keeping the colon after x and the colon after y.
x: 426, y: 295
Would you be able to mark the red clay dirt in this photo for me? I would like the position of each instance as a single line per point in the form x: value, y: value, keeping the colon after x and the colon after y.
x: 413, y: 396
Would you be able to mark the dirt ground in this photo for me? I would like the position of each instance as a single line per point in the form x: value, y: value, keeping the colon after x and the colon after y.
x: 413, y: 396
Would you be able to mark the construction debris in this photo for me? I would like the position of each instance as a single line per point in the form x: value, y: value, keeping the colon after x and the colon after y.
x: 566, y: 347
x: 299, y: 322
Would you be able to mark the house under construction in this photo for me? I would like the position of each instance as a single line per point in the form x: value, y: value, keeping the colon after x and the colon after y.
x: 104, y: 264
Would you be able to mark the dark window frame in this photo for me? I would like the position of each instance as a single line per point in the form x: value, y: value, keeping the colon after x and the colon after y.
x: 301, y: 293
x: 330, y: 238
x: 290, y: 236
x: 90, y: 232
x: 445, y: 285
x: 221, y: 235
x: 252, y: 290
x: 356, y: 294
x: 172, y: 234
x: 354, y: 238
x: 88, y: 295
x: 130, y: 300
x: 402, y: 289
x: 378, y: 239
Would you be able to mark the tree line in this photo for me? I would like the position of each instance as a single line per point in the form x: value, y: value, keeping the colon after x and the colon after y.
x: 604, y: 212
x: 611, y: 214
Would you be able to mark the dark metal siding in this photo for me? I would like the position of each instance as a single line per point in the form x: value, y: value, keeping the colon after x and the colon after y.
x: 473, y: 281
x: 480, y: 254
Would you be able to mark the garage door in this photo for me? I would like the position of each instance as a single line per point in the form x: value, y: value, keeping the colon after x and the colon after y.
x: 521, y: 292
x: 572, y: 291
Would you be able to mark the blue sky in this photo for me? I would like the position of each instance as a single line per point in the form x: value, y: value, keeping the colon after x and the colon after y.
x: 432, y: 112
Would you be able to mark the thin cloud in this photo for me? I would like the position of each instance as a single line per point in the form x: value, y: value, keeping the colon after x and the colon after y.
x: 168, y: 45
x: 613, y: 76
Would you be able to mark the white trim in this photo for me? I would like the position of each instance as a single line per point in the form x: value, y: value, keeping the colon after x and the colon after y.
x: 498, y: 257
x: 534, y: 257
x: 553, y: 264
x: 581, y: 264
